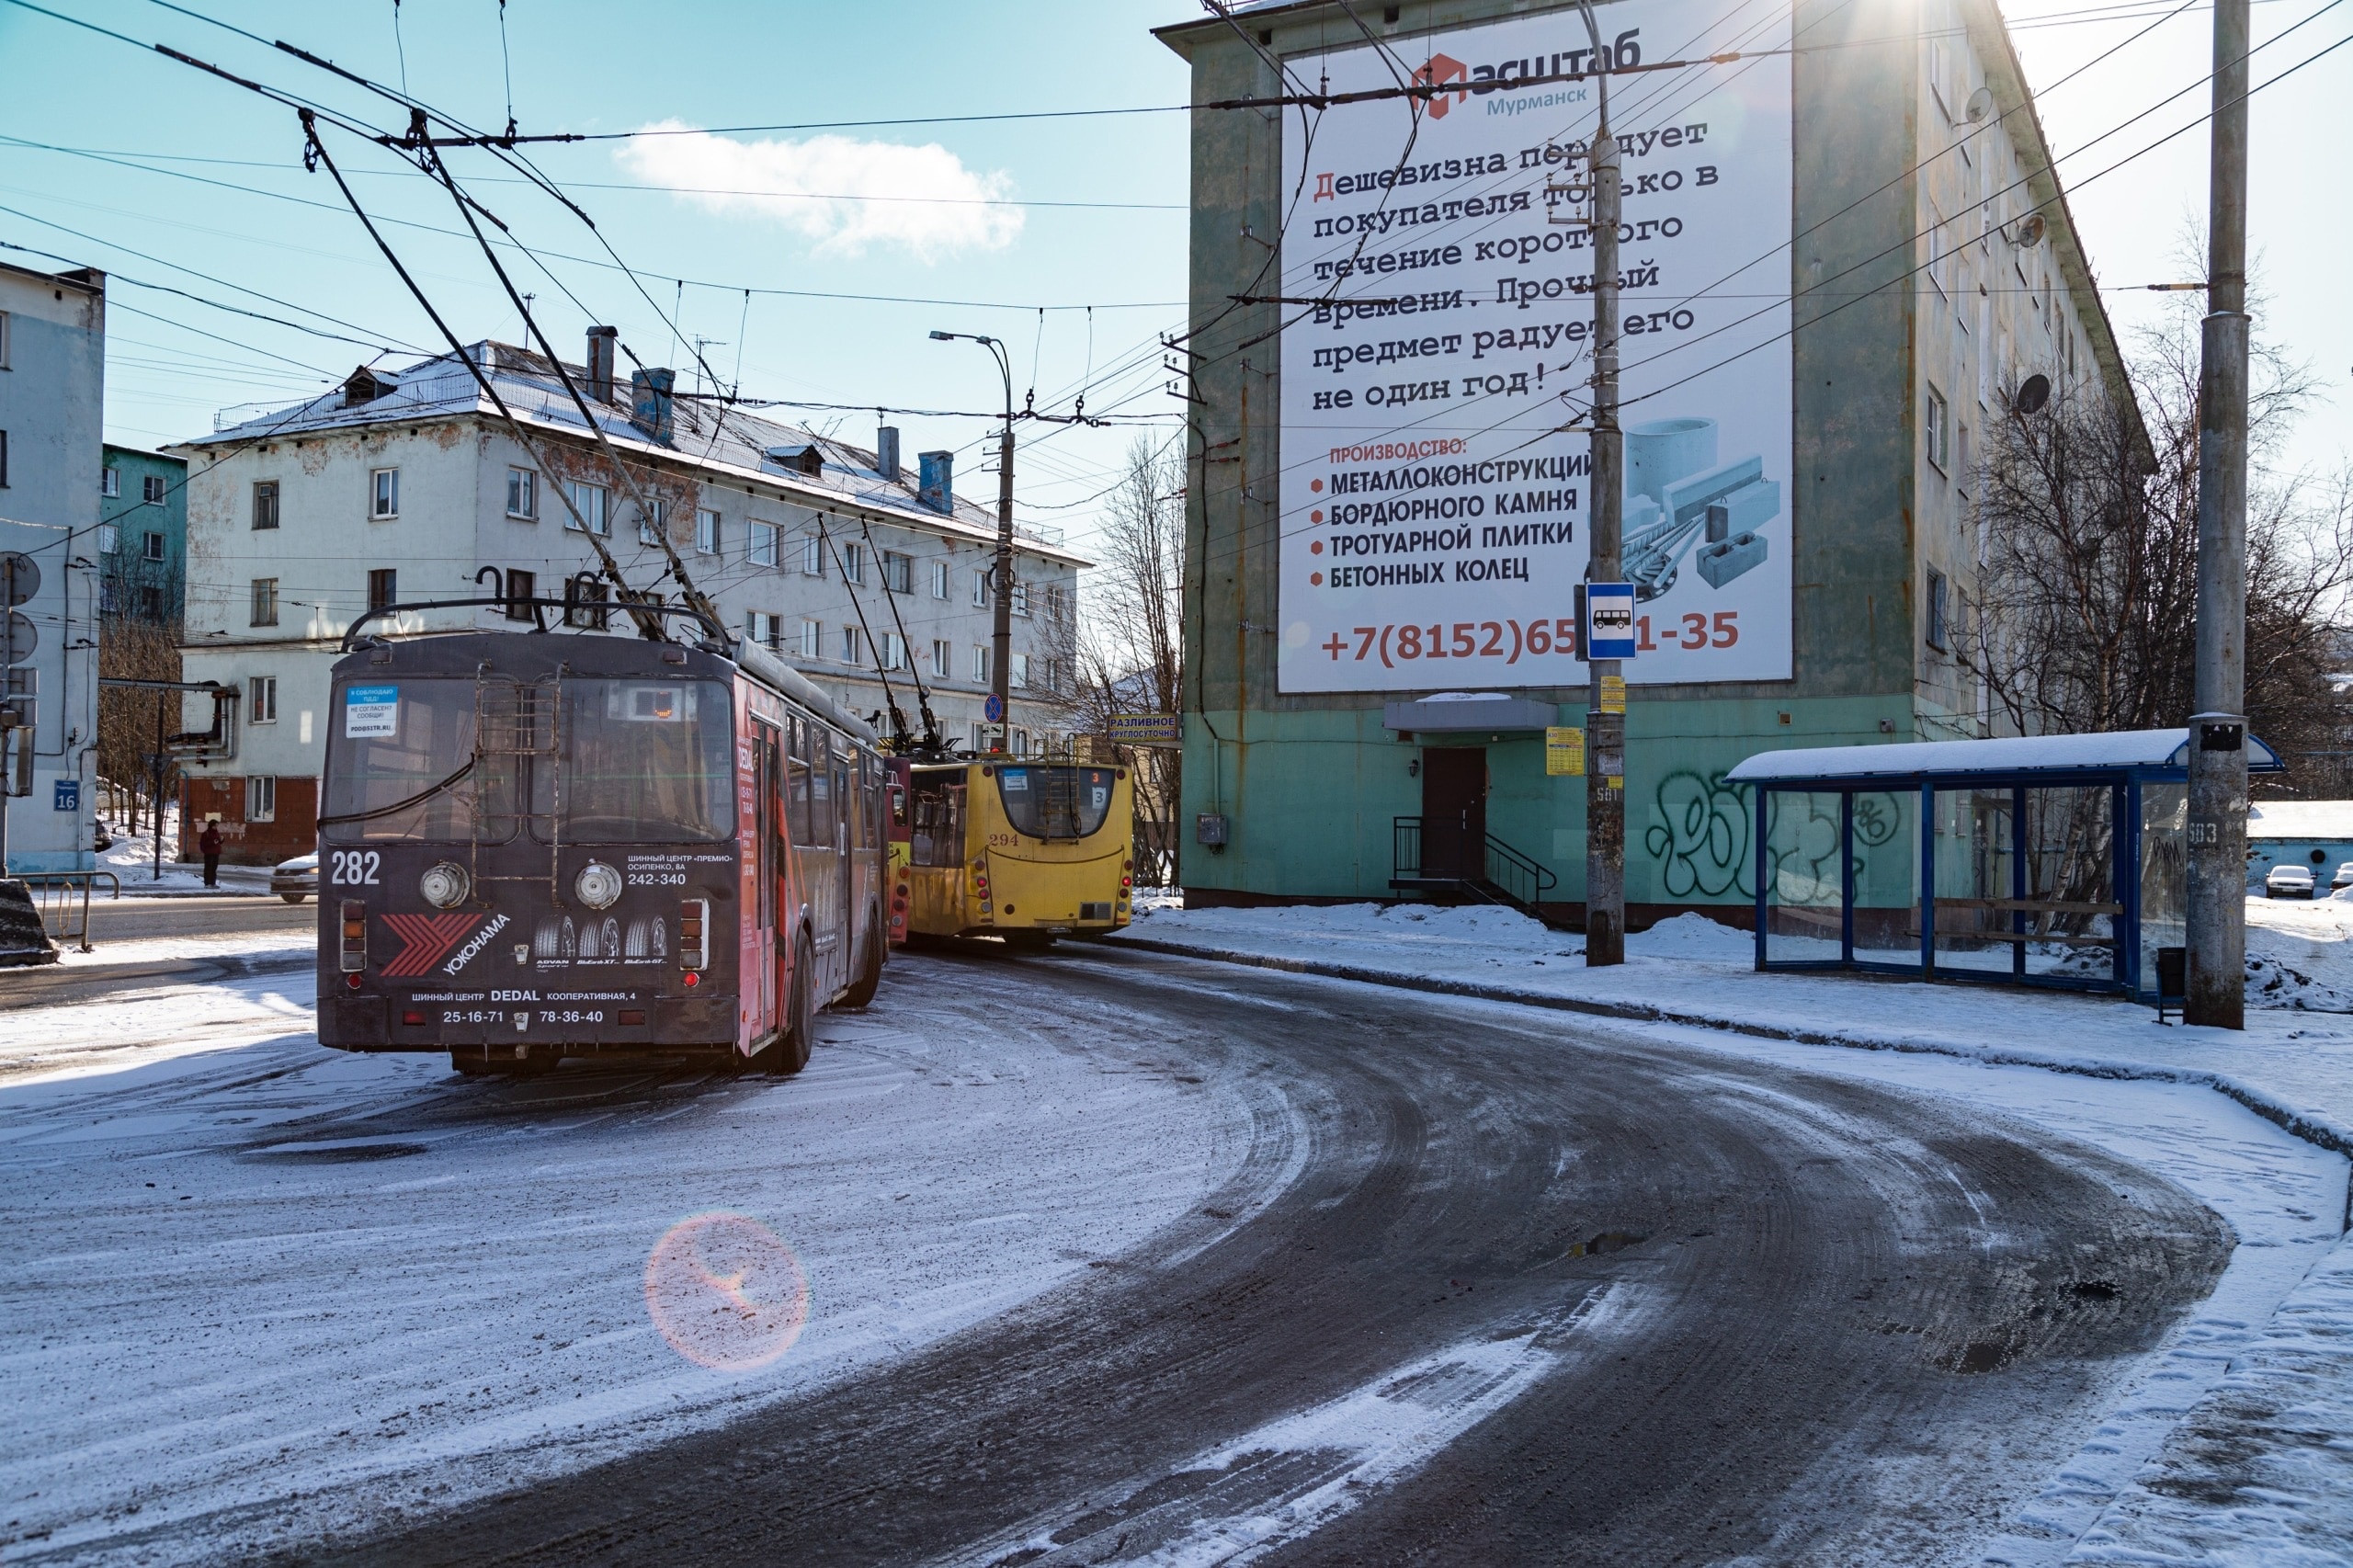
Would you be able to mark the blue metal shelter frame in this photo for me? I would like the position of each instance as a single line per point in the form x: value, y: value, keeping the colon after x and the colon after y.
x: 2124, y: 763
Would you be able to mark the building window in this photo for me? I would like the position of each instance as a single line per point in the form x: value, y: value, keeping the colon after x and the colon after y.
x: 763, y: 627
x: 813, y: 557
x: 110, y: 538
x: 4, y: 460
x: 1937, y: 590
x: 1020, y: 743
x: 981, y: 665
x: 891, y: 658
x: 852, y: 564
x: 590, y: 501
x: 522, y: 587
x: 898, y: 573
x: 652, y: 520
x: 852, y: 653
x: 980, y: 587
x: 152, y: 545
x: 109, y: 602
x: 1021, y: 671
x: 584, y: 604
x: 110, y: 483
x: 813, y: 639
x: 939, y: 579
x: 265, y: 505
x: 265, y: 602
x: 261, y: 798
x: 523, y: 494
x: 1055, y: 606
x: 1939, y: 424
x: 942, y: 656
x: 384, y: 493
x: 262, y: 700
x: 764, y: 537
x: 706, y: 531
x: 979, y: 736
x: 151, y: 490
x: 384, y: 587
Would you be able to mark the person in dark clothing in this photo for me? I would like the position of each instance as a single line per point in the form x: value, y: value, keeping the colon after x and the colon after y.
x: 210, y: 843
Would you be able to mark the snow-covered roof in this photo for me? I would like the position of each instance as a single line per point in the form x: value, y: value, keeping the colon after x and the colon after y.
x: 2300, y: 818
x: 2014, y: 754
x: 726, y: 443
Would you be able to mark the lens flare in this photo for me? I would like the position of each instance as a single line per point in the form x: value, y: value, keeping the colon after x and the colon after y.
x: 725, y: 1291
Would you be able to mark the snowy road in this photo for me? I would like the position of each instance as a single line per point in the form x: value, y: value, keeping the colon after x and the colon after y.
x: 1466, y: 1284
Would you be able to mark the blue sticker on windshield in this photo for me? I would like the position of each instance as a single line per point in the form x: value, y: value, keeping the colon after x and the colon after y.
x: 1016, y: 779
x: 371, y: 711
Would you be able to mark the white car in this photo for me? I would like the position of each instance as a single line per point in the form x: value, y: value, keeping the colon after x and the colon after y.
x: 296, y: 880
x: 2287, y: 882
x: 2343, y: 878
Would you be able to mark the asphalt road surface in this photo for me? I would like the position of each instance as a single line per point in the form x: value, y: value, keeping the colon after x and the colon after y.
x: 138, y: 919
x: 1490, y: 1289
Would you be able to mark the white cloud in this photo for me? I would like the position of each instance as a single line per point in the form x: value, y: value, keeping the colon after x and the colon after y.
x: 843, y: 193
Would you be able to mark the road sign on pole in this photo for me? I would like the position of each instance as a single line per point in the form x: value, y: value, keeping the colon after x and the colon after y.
x: 994, y: 709
x: 1610, y: 621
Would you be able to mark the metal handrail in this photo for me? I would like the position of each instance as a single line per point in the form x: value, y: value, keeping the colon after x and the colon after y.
x: 69, y: 929
x: 1525, y: 881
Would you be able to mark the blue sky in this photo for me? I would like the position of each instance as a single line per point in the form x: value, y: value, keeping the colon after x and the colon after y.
x: 983, y: 226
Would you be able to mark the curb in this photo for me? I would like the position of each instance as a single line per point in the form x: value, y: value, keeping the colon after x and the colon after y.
x: 2320, y: 1134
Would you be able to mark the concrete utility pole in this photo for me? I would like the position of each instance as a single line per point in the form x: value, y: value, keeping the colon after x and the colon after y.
x: 1001, y: 578
x: 2217, y: 912
x: 1604, y: 781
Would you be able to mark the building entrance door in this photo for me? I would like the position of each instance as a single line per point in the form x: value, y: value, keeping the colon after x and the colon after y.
x: 1454, y: 812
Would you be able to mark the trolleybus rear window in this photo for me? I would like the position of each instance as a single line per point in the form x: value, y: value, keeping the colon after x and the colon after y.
x: 643, y: 761
x: 1055, y: 802
x: 404, y: 766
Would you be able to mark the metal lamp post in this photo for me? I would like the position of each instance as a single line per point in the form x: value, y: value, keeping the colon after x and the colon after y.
x: 1001, y: 576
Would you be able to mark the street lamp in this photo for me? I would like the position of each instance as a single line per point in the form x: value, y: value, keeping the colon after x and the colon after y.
x: 1001, y: 576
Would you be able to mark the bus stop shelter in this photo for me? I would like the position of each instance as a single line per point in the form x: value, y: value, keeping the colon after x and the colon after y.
x: 2055, y: 860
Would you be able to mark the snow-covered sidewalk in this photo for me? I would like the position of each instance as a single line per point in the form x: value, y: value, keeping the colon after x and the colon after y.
x: 2258, y: 1467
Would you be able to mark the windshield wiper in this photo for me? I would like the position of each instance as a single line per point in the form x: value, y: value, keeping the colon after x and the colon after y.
x: 416, y: 799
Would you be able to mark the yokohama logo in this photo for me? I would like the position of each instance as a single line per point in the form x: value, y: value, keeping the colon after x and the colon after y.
x: 1440, y: 71
x: 425, y: 940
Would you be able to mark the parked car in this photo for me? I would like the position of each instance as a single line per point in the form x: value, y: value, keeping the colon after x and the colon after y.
x: 2285, y: 882
x: 297, y: 879
x: 2343, y: 878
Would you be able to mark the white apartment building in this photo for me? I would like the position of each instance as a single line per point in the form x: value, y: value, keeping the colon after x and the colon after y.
x: 407, y: 485
x: 53, y: 381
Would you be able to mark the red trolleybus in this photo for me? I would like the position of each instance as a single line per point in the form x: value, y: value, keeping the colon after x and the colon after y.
x: 537, y: 845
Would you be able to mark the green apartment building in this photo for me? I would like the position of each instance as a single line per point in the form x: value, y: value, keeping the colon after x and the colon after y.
x: 1845, y: 256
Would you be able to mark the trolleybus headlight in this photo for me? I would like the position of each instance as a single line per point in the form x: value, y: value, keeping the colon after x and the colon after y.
x: 598, y: 885
x: 445, y: 885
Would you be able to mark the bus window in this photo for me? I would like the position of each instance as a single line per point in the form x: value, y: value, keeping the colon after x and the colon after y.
x: 937, y: 835
x: 813, y: 823
x: 1055, y: 802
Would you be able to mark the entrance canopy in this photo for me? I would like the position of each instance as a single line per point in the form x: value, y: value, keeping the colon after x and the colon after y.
x: 2039, y: 861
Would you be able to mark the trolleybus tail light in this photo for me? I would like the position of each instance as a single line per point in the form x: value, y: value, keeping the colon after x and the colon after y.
x: 633, y: 1016
x: 354, y: 937
x: 412, y: 1016
x: 694, y: 937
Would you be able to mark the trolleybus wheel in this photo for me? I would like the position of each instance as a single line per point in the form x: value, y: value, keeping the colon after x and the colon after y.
x: 789, y: 1055
x: 869, y: 973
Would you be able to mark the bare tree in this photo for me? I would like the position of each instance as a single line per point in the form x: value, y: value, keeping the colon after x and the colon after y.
x: 137, y: 650
x: 2087, y: 557
x: 1132, y: 653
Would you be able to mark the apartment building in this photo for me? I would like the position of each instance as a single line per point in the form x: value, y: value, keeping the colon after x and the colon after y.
x: 407, y: 485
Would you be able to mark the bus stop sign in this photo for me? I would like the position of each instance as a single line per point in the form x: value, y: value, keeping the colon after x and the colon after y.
x: 1608, y: 621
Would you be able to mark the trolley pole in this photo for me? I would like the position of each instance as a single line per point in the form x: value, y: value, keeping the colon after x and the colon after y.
x: 2217, y: 905
x: 1001, y: 576
x: 1605, y: 718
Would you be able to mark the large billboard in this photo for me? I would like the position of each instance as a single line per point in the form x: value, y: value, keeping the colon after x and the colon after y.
x: 1436, y: 353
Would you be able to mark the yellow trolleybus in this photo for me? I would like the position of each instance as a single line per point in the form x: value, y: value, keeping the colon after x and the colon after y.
x: 1028, y: 851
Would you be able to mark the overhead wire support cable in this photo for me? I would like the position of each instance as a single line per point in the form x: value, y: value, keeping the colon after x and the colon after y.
x: 931, y: 741
x: 650, y: 626
x: 899, y: 741
x: 694, y: 597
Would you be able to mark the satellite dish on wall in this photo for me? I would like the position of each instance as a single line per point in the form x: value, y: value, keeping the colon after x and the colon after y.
x: 2029, y: 231
x: 1980, y: 105
x: 2032, y: 393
